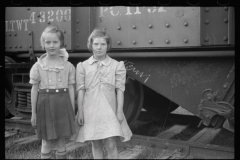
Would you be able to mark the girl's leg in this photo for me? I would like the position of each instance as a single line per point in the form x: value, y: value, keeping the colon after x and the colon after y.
x: 111, y: 147
x: 97, y: 149
x: 46, y: 149
x: 61, y: 152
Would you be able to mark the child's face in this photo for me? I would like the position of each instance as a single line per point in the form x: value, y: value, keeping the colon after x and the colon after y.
x: 99, y: 46
x: 52, y: 44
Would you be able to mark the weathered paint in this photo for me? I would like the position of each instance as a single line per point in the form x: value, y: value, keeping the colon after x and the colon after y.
x: 181, y: 80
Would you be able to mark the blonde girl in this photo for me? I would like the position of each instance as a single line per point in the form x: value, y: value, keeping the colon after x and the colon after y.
x: 52, y: 94
x: 100, y: 86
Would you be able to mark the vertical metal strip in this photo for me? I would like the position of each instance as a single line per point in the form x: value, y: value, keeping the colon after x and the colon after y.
x: 30, y: 47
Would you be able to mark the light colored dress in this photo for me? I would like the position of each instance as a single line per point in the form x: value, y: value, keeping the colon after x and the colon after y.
x: 99, y: 80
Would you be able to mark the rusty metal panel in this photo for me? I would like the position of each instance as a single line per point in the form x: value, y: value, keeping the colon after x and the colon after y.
x: 138, y: 27
x: 214, y: 25
x: 19, y: 21
x: 182, y: 79
x: 82, y: 27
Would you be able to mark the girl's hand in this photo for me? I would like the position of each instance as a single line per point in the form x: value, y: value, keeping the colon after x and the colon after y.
x: 34, y: 120
x: 80, y: 118
x: 120, y: 117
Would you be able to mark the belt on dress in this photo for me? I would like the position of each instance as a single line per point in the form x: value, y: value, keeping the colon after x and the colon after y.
x: 53, y: 90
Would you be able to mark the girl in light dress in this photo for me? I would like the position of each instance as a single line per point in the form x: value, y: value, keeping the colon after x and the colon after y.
x: 52, y: 94
x: 100, y: 85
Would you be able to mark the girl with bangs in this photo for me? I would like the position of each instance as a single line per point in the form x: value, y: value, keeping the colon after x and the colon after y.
x: 100, y: 86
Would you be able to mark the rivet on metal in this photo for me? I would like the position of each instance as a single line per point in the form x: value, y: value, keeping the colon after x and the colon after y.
x: 206, y: 39
x: 16, y: 46
x: 65, y: 45
x: 226, y: 8
x: 118, y: 27
x: 15, y: 34
x: 10, y: 47
x: 207, y: 22
x: 150, y: 25
x: 185, y: 40
x: 77, y: 21
x: 64, y: 31
x: 185, y: 24
x: 138, y: 143
x: 28, y: 8
x: 134, y: 42
x: 206, y: 9
x: 225, y: 20
x: 180, y: 149
x: 29, y: 33
x: 225, y: 38
x: 30, y: 46
x: 10, y: 34
x: 20, y: 46
x: 118, y: 42
x: 38, y: 15
x: 167, y: 41
x: 134, y: 27
x: 167, y: 25
x: 225, y: 86
x: 77, y: 45
x: 152, y: 145
x: 150, y: 41
x: 49, y: 22
x: 77, y: 31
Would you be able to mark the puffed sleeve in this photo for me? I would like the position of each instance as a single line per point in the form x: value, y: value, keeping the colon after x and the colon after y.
x: 34, y: 74
x: 71, y: 78
x: 120, y: 77
x: 80, y: 77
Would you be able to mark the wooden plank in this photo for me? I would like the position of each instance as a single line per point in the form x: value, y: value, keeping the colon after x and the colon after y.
x: 205, y: 135
x: 8, y: 134
x: 172, y: 131
x: 25, y: 140
x: 132, y: 153
x: 16, y: 118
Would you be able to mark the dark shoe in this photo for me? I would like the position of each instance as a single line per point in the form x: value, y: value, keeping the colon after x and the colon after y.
x: 46, y: 155
x: 61, y: 155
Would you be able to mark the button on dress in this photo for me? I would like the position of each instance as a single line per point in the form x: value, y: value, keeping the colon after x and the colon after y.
x: 99, y: 80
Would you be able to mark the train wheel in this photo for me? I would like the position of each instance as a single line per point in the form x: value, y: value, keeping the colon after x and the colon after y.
x: 133, y: 100
x: 8, y: 87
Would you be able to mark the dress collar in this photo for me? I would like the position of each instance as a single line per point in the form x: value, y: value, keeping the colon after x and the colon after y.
x: 105, y: 62
x: 43, y: 63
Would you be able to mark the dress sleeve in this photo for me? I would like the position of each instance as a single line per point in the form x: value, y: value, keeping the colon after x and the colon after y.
x: 80, y: 77
x: 120, y: 77
x: 34, y: 74
x: 71, y: 78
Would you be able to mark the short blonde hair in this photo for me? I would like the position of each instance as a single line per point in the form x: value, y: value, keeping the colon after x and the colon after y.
x: 52, y: 29
x: 99, y: 33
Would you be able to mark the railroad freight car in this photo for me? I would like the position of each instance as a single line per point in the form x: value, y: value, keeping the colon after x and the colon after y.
x: 185, y: 54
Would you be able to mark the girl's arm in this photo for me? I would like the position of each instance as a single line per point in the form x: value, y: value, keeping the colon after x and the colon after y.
x: 34, y: 95
x: 120, y: 101
x: 81, y: 94
x: 72, y: 96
